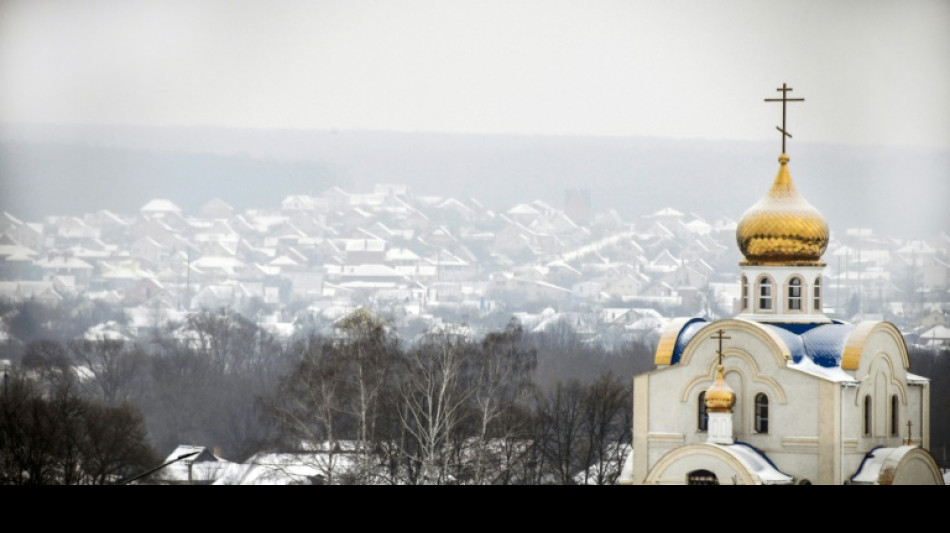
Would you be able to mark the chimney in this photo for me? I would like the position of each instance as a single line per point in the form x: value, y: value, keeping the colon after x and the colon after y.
x: 217, y: 452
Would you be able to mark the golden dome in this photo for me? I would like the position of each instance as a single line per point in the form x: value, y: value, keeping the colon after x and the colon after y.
x: 720, y: 398
x: 782, y: 228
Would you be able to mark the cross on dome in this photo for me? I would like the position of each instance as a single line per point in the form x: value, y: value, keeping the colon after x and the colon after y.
x: 784, y: 89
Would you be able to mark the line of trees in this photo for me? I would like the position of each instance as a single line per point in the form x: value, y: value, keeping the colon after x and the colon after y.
x: 510, y: 407
x: 447, y: 410
x: 58, y: 437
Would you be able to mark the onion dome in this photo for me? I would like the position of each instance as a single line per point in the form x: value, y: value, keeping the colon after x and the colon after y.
x: 782, y: 228
x: 720, y: 398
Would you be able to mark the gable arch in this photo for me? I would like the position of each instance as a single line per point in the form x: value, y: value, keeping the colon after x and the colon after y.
x: 757, y: 378
x: 723, y: 464
x: 867, y: 384
x: 776, y: 345
x: 854, y: 346
x: 916, y: 467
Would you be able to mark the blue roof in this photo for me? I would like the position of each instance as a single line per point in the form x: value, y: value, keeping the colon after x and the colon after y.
x: 822, y: 343
x: 686, y: 335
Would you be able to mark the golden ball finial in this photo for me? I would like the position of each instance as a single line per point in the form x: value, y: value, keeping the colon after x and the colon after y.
x: 720, y: 398
x: 782, y: 228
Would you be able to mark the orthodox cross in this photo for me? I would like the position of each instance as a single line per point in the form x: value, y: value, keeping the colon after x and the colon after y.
x: 720, y: 337
x: 784, y: 89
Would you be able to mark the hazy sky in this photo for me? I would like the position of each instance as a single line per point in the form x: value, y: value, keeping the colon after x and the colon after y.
x: 872, y: 71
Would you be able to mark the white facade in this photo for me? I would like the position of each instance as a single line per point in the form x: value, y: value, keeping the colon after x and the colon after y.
x: 815, y: 430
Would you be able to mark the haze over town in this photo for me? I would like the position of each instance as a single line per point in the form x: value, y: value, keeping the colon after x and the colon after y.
x: 559, y: 178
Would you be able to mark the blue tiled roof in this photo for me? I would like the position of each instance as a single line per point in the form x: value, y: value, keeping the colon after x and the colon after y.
x: 686, y: 334
x: 822, y: 343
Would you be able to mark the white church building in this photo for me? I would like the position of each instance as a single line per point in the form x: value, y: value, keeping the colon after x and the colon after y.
x: 781, y: 394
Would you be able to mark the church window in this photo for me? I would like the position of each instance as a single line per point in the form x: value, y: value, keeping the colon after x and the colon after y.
x: 867, y: 416
x: 761, y: 413
x: 703, y: 421
x: 895, y: 427
x: 817, y: 295
x: 765, y: 294
x: 701, y: 477
x: 795, y: 294
x: 745, y: 293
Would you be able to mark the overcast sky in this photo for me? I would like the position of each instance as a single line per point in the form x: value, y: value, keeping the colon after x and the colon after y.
x: 871, y: 71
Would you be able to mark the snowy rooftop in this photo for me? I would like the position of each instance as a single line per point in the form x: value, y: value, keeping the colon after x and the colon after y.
x: 936, y: 333
x: 755, y: 461
x: 160, y: 205
x: 821, y: 344
x: 870, y: 470
x: 523, y: 209
x: 285, y: 469
x: 365, y: 245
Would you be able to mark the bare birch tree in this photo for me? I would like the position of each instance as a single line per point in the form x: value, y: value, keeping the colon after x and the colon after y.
x: 434, y: 396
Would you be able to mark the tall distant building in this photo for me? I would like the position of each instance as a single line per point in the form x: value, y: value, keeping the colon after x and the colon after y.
x: 781, y: 394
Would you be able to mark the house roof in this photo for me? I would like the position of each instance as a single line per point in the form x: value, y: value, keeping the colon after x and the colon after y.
x: 373, y: 271
x: 160, y: 205
x: 283, y: 261
x: 72, y: 263
x: 667, y: 212
x: 204, y: 468
x: 401, y: 254
x: 523, y: 209
x: 936, y: 333
x: 365, y: 245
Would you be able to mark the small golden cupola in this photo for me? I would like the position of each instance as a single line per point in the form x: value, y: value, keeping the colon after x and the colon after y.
x: 720, y: 398
x: 782, y: 228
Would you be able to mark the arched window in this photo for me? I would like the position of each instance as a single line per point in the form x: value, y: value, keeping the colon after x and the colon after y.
x: 895, y: 421
x: 795, y: 294
x: 703, y: 422
x: 745, y: 293
x: 817, y: 295
x: 867, y: 416
x: 765, y: 294
x: 701, y: 477
x: 761, y: 413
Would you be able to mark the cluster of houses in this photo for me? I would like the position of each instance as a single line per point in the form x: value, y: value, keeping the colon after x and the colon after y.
x: 425, y: 259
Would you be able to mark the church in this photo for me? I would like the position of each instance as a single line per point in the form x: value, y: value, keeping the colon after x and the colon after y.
x: 781, y: 394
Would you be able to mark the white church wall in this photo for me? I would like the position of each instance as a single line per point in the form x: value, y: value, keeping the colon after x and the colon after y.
x: 752, y: 366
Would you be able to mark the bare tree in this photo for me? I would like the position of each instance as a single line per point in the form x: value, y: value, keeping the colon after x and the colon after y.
x: 503, y: 371
x: 310, y: 402
x: 606, y: 405
x: 63, y: 439
x: 370, y: 353
x: 434, y: 396
x: 116, y: 368
x: 561, y: 414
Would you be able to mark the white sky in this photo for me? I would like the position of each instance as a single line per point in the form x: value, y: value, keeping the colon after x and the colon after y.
x: 872, y: 71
